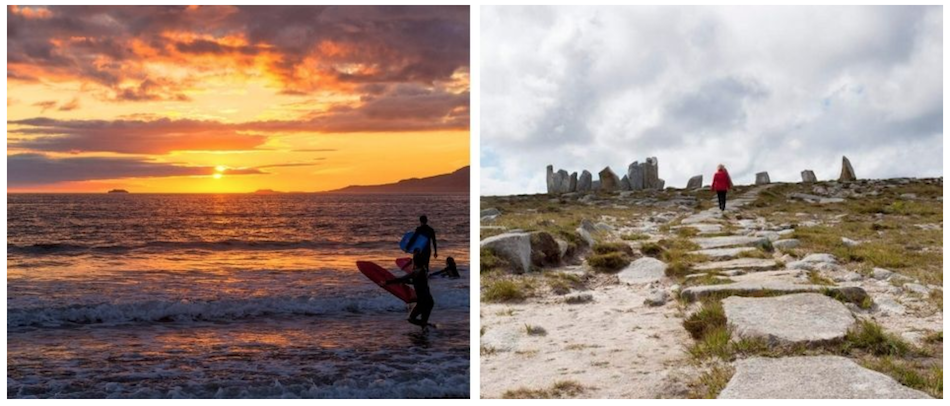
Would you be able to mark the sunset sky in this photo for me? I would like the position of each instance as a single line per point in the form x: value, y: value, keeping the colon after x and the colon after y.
x: 234, y: 99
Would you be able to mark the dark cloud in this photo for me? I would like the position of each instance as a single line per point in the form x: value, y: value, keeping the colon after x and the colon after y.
x: 308, y: 47
x: 130, y: 136
x: 777, y: 89
x: 70, y: 106
x: 45, y: 105
x: 25, y: 170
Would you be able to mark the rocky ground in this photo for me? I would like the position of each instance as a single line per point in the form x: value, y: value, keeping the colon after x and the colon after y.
x: 821, y: 290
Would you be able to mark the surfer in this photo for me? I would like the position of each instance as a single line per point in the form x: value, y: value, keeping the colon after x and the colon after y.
x: 419, y: 279
x: 450, y: 271
x: 424, y: 230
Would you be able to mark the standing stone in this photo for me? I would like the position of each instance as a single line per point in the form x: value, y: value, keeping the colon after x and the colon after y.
x: 595, y: 185
x: 572, y: 186
x: 562, y: 180
x: 847, y: 172
x: 550, y: 179
x: 635, y: 176
x: 762, y: 178
x: 651, y: 174
x: 609, y: 181
x: 660, y: 184
x: 584, y: 183
x: 808, y: 176
x: 695, y: 182
x: 625, y: 183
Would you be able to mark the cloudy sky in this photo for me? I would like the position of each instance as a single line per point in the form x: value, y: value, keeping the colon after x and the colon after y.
x: 234, y: 99
x: 758, y: 89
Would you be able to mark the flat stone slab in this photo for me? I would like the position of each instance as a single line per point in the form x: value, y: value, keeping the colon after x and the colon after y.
x: 766, y: 287
x: 723, y: 253
x: 727, y: 241
x: 703, y: 228
x: 740, y: 263
x: 819, y: 377
x: 806, y: 318
x: 643, y: 270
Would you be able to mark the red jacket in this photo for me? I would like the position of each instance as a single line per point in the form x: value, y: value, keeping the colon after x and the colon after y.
x: 721, y: 181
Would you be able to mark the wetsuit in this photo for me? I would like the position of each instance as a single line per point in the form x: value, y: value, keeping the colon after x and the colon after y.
x: 422, y: 260
x: 424, y: 302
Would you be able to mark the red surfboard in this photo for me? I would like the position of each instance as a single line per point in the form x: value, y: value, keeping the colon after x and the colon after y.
x: 379, y: 275
x: 405, y: 264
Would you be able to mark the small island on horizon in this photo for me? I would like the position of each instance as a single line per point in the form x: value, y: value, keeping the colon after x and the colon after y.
x: 118, y: 191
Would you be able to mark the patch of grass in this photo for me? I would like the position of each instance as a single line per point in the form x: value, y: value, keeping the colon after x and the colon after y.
x: 560, y: 390
x: 711, y: 382
x: 713, y: 343
x: 678, y: 270
x: 634, y: 237
x: 610, y: 262
x: 926, y: 378
x: 687, y: 232
x: 678, y: 244
x: 506, y: 290
x: 535, y: 330
x: 754, y: 254
x: 488, y: 262
x: 934, y: 338
x: 936, y: 298
x: 651, y: 249
x: 612, y: 247
x: 815, y: 278
x: 870, y: 337
x: 708, y: 318
x: 707, y: 279
x: 487, y: 350
x: 562, y: 283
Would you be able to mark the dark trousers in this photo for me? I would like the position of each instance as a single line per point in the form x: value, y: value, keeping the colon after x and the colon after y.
x: 722, y: 199
x: 422, y: 259
x: 423, y: 308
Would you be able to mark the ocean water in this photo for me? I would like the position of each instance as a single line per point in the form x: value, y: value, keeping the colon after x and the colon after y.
x: 235, y: 296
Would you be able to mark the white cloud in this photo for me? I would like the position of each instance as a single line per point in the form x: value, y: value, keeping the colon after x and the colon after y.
x: 776, y: 89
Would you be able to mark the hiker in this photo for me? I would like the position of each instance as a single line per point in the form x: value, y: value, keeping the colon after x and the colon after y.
x: 450, y: 271
x: 721, y: 184
x: 426, y: 231
x: 419, y: 279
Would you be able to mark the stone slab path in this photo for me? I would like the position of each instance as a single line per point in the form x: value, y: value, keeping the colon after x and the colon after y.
x: 818, y: 377
x: 804, y: 318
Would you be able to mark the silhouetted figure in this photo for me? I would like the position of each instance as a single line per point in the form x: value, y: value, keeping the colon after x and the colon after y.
x: 419, y: 279
x: 450, y: 271
x: 425, y: 231
x: 721, y: 184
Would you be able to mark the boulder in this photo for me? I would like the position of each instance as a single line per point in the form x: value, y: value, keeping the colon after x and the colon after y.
x: 512, y: 247
x: 660, y: 184
x: 584, y: 181
x: 847, y: 172
x: 881, y: 274
x: 545, y: 251
x: 762, y: 178
x: 808, y: 176
x: 786, y: 244
x: 755, y: 317
x: 491, y: 211
x: 585, y: 235
x: 635, y: 176
x: 657, y: 298
x: 609, y: 181
x: 643, y: 270
x: 812, y: 377
x: 695, y: 182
